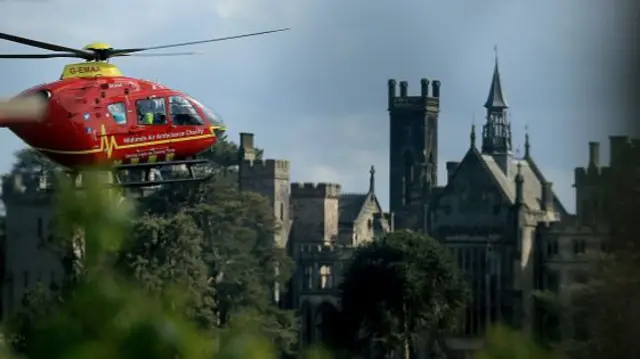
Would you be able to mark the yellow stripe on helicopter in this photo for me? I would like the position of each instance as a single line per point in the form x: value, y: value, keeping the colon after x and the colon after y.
x: 108, y: 143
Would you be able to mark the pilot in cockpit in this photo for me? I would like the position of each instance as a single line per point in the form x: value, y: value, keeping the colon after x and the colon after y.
x: 146, y: 112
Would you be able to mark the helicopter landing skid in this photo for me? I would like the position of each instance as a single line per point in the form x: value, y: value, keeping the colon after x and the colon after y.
x: 147, y: 180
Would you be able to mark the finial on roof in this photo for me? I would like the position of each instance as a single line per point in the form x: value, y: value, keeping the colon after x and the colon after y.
x: 472, y: 136
x: 372, y: 179
x: 495, y: 51
x: 527, y: 146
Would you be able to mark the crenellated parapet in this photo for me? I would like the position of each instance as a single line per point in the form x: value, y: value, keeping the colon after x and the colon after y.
x: 315, y: 190
x: 429, y: 100
x: 265, y: 169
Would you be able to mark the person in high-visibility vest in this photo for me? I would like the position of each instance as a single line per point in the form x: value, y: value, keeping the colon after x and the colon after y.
x: 148, y: 118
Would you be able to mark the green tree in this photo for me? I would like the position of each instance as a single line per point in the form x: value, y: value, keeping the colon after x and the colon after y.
x: 241, y: 251
x: 166, y: 252
x: 29, y: 160
x: 238, y: 230
x: 398, y: 289
x: 38, y: 303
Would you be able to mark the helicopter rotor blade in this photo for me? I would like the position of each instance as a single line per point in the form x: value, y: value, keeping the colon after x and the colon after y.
x: 132, y: 50
x: 39, y: 56
x: 45, y: 45
x: 160, y: 54
x: 22, y: 110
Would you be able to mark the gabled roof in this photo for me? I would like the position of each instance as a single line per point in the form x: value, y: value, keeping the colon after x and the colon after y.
x: 533, y: 182
x: 351, y: 205
x: 533, y: 179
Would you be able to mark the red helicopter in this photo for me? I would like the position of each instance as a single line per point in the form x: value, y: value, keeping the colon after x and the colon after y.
x: 95, y: 116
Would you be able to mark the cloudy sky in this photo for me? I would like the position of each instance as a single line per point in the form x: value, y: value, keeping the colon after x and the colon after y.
x: 316, y: 95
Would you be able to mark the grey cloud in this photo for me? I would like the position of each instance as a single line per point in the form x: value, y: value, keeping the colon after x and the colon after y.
x: 317, y: 94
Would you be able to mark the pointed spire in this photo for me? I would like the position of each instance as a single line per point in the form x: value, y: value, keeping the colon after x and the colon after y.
x: 527, y: 146
x: 496, y: 96
x: 372, y: 180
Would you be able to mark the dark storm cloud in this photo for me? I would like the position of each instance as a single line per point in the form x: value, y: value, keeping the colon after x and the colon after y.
x: 317, y: 94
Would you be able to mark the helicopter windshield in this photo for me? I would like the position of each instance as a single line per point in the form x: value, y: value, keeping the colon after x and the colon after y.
x: 211, y: 116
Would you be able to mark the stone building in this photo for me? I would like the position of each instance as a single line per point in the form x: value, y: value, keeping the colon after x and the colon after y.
x: 319, y: 225
x: 568, y: 248
x: 487, y: 212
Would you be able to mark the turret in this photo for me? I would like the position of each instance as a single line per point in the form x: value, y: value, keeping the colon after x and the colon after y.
x: 424, y: 88
x: 392, y: 91
x: 404, y: 88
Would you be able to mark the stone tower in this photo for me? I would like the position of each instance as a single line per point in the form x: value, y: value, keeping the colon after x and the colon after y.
x: 30, y: 255
x: 269, y: 178
x: 413, y: 159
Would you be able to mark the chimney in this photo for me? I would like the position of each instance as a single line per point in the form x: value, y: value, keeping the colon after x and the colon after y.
x: 247, y: 151
x: 594, y: 154
x: 547, y: 196
x: 451, y: 169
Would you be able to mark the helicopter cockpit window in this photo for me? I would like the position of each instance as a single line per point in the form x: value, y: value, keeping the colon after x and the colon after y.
x: 210, y: 115
x: 183, y: 113
x: 151, y: 111
x: 118, y: 112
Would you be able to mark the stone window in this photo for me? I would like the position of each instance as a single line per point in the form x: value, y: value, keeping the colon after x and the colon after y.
x: 308, y: 278
x: 579, y: 246
x: 326, y: 277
